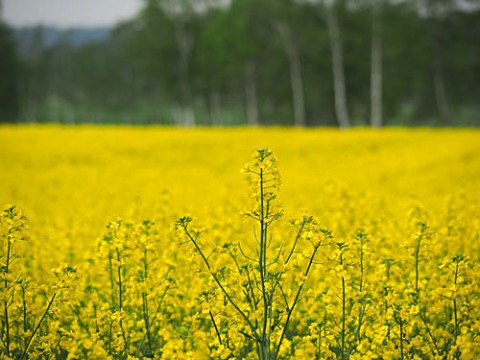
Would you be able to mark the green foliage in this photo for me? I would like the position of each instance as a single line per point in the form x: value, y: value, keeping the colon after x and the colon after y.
x: 9, y: 101
x: 430, y: 57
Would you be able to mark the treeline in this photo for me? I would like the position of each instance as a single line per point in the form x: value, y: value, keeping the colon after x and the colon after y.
x: 287, y: 62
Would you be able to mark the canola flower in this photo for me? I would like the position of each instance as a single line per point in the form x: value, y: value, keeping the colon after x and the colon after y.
x: 265, y: 307
x: 367, y: 273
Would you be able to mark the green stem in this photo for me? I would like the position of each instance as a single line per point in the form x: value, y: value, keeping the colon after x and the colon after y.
x: 215, y: 326
x: 262, y: 264
x: 120, y: 285
x: 7, y: 330
x: 295, y: 301
x: 5, y: 303
x: 120, y: 301
x: 417, y: 261
x: 146, y: 315
x: 430, y: 334
x: 361, y: 313
x: 217, y: 280
x: 112, y: 280
x: 37, y: 327
x: 455, y: 313
x: 343, y: 317
x: 147, y: 322
x: 24, y: 305
x: 401, y: 339
x: 295, y: 242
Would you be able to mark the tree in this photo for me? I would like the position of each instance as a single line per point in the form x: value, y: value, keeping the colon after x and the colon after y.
x: 244, y: 39
x: 34, y: 75
x: 249, y: 24
x: 337, y: 64
x: 9, y: 67
x: 329, y: 10
x: 211, y: 75
x: 282, y: 23
x: 434, y: 12
x: 162, y: 43
x: 181, y: 14
x: 376, y: 100
x: 255, y: 61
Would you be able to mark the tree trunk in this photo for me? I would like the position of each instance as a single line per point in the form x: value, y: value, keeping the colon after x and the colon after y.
x: 296, y: 80
x: 251, y: 92
x: 337, y: 66
x: 376, y: 101
x: 440, y: 91
x: 184, y: 44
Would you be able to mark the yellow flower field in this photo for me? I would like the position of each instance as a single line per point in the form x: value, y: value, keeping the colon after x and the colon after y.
x: 166, y: 243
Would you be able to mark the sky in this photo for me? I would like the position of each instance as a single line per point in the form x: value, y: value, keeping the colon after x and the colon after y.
x: 68, y: 13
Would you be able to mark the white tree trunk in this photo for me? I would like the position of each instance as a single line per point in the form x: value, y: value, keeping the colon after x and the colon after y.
x: 184, y: 44
x: 440, y: 91
x: 337, y: 66
x: 251, y: 92
x: 296, y: 80
x: 376, y: 101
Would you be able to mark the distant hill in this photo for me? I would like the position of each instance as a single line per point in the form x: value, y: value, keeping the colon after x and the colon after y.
x: 47, y: 36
